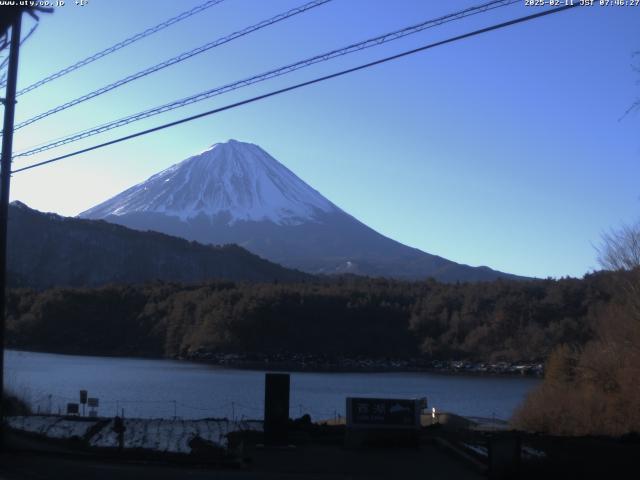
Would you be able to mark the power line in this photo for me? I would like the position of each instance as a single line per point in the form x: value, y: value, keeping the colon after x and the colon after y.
x: 372, y: 42
x: 303, y: 84
x: 177, y: 59
x: 149, y: 31
x: 272, y: 74
x: 26, y: 37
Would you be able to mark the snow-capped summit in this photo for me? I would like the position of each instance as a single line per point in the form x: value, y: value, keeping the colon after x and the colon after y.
x: 235, y: 179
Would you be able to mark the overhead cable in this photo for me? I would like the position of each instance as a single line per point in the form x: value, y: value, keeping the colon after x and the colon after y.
x: 174, y: 60
x: 300, y: 85
x: 372, y: 42
x: 119, y: 45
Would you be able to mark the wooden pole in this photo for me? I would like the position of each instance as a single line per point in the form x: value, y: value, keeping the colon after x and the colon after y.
x: 5, y: 182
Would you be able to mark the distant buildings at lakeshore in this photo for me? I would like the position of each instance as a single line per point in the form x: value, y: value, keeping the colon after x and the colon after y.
x: 314, y: 362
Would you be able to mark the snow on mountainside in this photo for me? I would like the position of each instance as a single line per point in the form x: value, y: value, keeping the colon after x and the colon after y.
x: 235, y: 192
x: 237, y: 179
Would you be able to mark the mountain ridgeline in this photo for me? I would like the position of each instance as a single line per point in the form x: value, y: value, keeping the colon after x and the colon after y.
x: 46, y: 250
x: 235, y: 192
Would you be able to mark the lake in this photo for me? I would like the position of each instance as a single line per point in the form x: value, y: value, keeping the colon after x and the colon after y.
x: 167, y: 388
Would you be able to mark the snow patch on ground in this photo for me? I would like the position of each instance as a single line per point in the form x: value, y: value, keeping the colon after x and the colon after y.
x: 160, y: 435
x: 479, y: 449
x: 527, y: 451
x: 51, y: 426
x: 532, y: 452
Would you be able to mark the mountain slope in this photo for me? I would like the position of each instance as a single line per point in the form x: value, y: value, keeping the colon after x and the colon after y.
x: 48, y: 250
x: 237, y: 180
x: 236, y: 192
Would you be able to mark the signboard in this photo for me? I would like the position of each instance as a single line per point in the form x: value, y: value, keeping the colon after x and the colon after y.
x: 93, y: 402
x: 384, y: 413
x: 73, y: 409
x: 83, y: 396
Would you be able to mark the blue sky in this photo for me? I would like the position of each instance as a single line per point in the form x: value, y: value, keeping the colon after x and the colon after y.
x: 506, y: 150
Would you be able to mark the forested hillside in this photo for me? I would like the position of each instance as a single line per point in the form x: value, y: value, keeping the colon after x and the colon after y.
x: 502, y: 320
x: 47, y: 250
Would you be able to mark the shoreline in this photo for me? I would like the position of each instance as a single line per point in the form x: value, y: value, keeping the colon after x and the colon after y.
x: 323, y: 364
x: 530, y: 371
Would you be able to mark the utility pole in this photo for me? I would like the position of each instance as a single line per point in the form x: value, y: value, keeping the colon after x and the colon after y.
x: 5, y: 181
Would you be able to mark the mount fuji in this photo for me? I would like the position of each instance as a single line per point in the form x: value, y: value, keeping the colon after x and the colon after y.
x: 235, y: 192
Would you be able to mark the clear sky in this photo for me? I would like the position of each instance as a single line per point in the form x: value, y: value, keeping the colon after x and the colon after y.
x: 506, y: 149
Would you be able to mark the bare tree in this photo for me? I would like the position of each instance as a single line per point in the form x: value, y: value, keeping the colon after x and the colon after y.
x: 593, y: 389
x: 635, y: 105
x: 620, y: 249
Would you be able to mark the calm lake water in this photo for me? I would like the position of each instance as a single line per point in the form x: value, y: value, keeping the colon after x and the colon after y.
x: 164, y: 388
